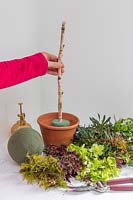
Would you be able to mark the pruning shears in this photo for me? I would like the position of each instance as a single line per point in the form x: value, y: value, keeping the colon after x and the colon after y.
x: 119, y: 184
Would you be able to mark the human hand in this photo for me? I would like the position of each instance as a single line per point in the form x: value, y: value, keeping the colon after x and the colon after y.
x: 53, y: 64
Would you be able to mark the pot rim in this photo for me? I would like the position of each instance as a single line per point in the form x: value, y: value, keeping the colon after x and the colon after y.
x: 39, y: 120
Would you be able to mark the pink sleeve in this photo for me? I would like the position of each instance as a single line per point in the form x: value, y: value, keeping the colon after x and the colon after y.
x: 19, y: 70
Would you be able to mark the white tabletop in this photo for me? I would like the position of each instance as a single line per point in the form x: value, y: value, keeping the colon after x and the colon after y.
x: 13, y: 187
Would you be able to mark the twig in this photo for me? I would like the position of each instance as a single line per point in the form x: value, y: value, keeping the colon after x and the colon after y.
x: 60, y: 92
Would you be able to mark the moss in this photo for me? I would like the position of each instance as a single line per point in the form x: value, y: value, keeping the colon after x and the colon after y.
x: 44, y: 170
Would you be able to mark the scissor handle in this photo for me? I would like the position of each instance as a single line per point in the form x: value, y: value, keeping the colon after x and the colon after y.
x: 121, y: 187
x: 120, y: 181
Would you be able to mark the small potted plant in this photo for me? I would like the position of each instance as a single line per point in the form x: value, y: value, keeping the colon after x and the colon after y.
x: 58, y: 128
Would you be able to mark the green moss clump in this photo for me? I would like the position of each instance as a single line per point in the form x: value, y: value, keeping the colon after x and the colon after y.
x: 44, y: 170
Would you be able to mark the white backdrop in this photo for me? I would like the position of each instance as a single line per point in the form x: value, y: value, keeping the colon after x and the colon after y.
x: 98, y: 57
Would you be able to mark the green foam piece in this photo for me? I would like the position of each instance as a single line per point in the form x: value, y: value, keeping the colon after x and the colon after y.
x: 25, y: 141
x: 57, y: 123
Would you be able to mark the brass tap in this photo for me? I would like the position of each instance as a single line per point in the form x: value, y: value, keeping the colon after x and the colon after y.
x: 21, y: 123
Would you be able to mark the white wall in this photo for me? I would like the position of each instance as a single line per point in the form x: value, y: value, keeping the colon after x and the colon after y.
x: 97, y: 56
x: 19, y: 36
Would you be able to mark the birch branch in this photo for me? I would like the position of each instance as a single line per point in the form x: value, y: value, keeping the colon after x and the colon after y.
x: 60, y: 55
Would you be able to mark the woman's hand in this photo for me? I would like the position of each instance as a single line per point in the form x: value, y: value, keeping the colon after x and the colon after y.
x: 53, y: 64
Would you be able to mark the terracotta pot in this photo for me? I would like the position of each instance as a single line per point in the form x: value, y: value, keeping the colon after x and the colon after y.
x: 57, y: 135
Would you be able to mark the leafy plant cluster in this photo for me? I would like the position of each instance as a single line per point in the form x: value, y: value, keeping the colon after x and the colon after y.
x: 43, y: 170
x: 95, y: 167
x: 70, y: 161
x: 125, y: 127
x: 73, y: 161
x: 112, y: 136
